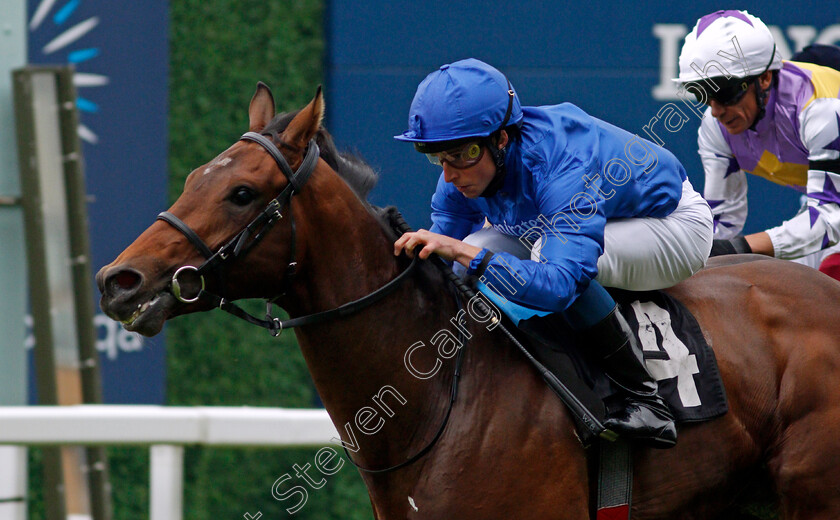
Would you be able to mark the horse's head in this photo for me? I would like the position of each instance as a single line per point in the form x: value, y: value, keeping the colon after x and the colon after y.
x: 227, y: 207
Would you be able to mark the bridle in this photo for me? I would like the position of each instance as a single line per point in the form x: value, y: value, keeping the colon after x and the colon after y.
x: 238, y: 247
x: 216, y: 263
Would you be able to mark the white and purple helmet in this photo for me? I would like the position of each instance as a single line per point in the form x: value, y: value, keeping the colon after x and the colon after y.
x: 728, y: 43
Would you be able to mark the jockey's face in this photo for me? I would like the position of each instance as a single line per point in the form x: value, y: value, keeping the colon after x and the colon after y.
x: 740, y: 116
x: 473, y: 180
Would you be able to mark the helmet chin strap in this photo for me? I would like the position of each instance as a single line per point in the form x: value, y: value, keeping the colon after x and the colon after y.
x: 499, y: 161
x: 761, y: 94
x: 761, y: 100
x: 498, y: 153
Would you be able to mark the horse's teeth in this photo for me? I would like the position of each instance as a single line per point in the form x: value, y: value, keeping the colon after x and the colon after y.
x: 141, y: 308
x: 131, y: 319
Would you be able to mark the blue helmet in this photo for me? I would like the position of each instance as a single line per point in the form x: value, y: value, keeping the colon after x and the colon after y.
x: 468, y: 98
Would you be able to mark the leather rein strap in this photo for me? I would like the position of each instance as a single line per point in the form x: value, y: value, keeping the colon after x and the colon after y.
x: 243, y: 242
x: 239, y: 245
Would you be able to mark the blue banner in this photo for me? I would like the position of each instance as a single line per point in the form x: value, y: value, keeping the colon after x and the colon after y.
x: 120, y: 51
x: 611, y: 58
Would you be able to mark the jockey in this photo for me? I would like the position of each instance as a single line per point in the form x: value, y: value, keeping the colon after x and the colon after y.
x: 572, y: 204
x: 772, y: 118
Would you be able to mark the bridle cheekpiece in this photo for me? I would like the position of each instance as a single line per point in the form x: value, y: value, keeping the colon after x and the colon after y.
x: 236, y: 248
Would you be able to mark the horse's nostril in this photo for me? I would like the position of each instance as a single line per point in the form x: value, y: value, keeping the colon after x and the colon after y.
x: 126, y: 279
x: 123, y: 281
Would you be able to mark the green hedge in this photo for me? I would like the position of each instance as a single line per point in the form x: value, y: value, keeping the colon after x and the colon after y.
x: 219, y: 50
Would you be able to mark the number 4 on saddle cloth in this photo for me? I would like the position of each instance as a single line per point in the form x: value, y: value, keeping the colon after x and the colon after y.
x: 675, y: 352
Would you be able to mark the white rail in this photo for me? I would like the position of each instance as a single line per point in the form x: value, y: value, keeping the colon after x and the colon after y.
x: 166, y: 430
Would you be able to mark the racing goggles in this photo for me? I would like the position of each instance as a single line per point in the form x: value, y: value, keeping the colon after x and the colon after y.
x: 461, y: 157
x: 726, y: 92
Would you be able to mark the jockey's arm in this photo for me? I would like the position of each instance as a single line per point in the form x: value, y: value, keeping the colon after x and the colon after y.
x: 819, y: 226
x: 567, y: 260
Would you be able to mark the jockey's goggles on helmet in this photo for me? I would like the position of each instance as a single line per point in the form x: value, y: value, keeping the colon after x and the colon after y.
x: 728, y: 92
x: 463, y: 156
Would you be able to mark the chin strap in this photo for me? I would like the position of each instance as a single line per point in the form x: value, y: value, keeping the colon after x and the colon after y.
x: 501, y: 171
x: 499, y: 153
x: 761, y: 100
x: 761, y: 94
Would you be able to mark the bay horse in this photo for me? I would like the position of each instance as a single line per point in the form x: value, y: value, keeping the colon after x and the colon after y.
x: 510, y: 448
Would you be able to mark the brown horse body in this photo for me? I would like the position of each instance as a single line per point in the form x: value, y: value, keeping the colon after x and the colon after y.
x: 509, y: 449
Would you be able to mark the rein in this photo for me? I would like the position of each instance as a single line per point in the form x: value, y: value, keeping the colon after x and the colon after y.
x: 453, y: 393
x: 403, y: 227
x: 240, y: 245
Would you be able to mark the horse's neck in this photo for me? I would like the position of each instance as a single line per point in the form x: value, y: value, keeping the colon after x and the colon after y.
x: 347, y: 254
x: 359, y: 362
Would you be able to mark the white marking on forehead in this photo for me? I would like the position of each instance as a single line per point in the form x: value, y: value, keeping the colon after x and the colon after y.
x: 217, y: 163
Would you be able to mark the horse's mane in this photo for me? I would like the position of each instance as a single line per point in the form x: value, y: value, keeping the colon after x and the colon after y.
x: 356, y: 172
x: 361, y: 178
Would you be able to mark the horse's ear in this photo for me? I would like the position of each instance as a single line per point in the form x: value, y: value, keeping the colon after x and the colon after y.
x: 261, y: 109
x: 306, y: 123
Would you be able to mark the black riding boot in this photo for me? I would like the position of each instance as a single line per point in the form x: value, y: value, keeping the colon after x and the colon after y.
x: 646, y: 417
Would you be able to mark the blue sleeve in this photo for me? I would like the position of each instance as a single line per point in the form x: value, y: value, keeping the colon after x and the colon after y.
x: 452, y: 215
x: 572, y: 232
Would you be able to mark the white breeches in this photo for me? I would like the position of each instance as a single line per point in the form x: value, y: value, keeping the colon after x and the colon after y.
x: 640, y: 254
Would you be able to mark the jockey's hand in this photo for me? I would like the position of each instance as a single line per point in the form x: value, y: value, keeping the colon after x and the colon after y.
x: 423, y: 243
x: 733, y: 246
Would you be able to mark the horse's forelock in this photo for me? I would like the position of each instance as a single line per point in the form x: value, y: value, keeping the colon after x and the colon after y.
x: 359, y: 175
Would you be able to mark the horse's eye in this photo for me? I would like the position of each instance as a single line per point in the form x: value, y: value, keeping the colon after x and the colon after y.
x: 242, y: 196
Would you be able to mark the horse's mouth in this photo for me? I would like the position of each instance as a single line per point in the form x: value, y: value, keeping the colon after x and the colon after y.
x: 145, y: 318
x: 128, y: 323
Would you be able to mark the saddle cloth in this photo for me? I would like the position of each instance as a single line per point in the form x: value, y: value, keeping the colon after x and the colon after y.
x: 676, y: 354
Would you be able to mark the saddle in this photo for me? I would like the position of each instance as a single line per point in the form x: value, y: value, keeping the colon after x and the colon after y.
x: 676, y: 354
